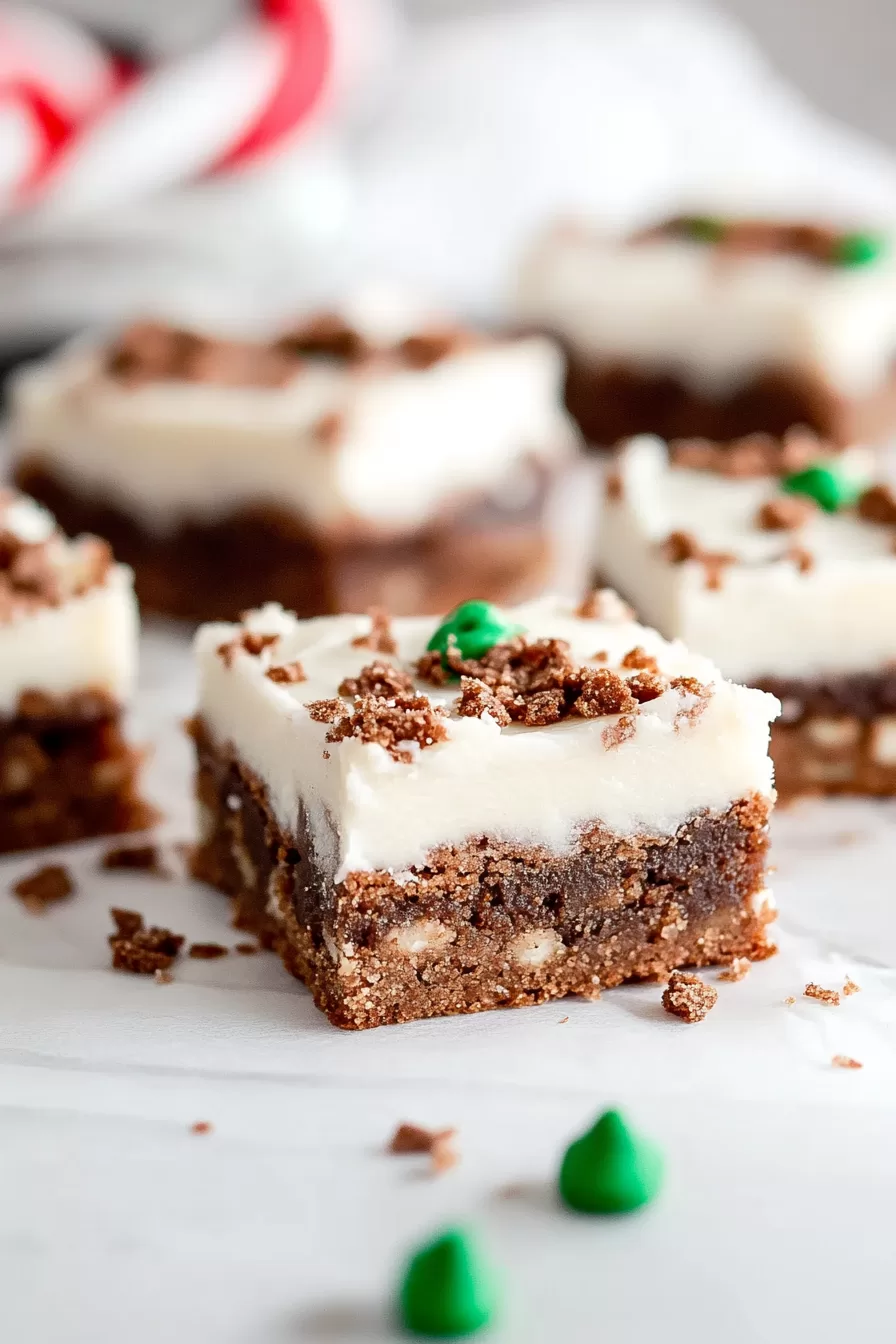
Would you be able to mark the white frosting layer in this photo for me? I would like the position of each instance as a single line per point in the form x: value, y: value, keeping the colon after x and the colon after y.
x: 529, y: 785
x: 87, y: 642
x: 409, y: 442
x: 767, y: 618
x: 674, y: 306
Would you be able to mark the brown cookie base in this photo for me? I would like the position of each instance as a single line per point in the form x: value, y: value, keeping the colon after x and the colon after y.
x: 614, y: 402
x: 486, y: 924
x: 214, y: 570
x: 66, y: 773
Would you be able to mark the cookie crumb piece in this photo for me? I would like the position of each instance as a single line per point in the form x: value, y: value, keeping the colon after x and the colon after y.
x: 163, y: 977
x: 201, y: 1127
x: 790, y: 1000
x: 785, y: 514
x: 562, y: 1020
x: 288, y: 674
x: 739, y: 967
x: 813, y: 991
x: 134, y: 858
x: 207, y: 951
x: 140, y: 950
x: 247, y: 949
x: 846, y: 1062
x: 44, y: 887
x: 417, y: 1139
x: 380, y: 638
x: 688, y: 997
x: 850, y: 987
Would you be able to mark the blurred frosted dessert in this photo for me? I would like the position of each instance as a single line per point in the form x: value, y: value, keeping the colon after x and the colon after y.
x: 780, y: 565
x: 720, y: 328
x: 68, y: 657
x: 341, y: 465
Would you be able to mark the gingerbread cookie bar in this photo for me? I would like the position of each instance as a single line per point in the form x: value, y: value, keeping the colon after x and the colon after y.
x: 720, y: 328
x: 779, y: 565
x: 340, y: 464
x: 497, y: 810
x: 68, y: 652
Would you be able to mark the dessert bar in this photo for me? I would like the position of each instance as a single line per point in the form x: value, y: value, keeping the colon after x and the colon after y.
x: 779, y: 565
x: 68, y: 653
x: 720, y: 328
x: 494, y: 810
x: 336, y: 466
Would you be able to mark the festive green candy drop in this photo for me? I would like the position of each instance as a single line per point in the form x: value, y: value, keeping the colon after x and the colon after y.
x: 474, y: 628
x: 827, y: 486
x: 859, y: 249
x: 610, y: 1169
x: 447, y: 1291
x: 703, y: 229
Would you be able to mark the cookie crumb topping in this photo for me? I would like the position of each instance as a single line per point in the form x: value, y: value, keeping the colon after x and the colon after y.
x: 688, y: 997
x: 388, y: 723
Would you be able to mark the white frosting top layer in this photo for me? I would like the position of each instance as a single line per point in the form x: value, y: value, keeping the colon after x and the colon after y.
x: 672, y: 305
x: 767, y: 618
x: 407, y: 444
x: 530, y: 785
x: 88, y: 641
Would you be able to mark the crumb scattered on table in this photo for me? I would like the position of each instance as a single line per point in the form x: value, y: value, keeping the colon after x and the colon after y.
x: 201, y: 1127
x: 207, y: 951
x: 738, y: 968
x: 846, y: 1062
x: 163, y: 977
x: 44, y: 887
x: 688, y: 997
x: 438, y: 1144
x: 831, y: 996
x: 850, y: 987
x: 247, y: 949
x: 790, y: 1000
x: 141, y: 950
x: 135, y: 859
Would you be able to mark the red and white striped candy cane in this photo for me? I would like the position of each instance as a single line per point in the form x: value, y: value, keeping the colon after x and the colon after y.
x: 78, y: 132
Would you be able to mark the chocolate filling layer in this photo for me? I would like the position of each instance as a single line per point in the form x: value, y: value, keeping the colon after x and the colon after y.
x: 214, y: 570
x: 486, y: 923
x: 613, y: 402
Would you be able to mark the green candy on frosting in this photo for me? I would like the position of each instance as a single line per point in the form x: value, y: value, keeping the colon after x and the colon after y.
x: 473, y: 628
x: 448, y: 1290
x: 859, y: 249
x: 610, y: 1169
x: 830, y: 488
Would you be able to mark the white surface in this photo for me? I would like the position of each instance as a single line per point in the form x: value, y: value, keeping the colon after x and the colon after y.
x: 766, y: 618
x: 287, y: 1222
x: 716, y: 322
x: 531, y: 786
x: 170, y: 450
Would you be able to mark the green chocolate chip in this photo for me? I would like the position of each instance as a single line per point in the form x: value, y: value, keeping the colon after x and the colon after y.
x: 859, y: 249
x: 447, y: 1290
x: 703, y: 229
x: 827, y: 486
x: 610, y: 1169
x: 474, y: 628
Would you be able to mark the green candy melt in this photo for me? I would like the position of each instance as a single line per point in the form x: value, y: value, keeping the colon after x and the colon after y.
x: 610, y: 1169
x: 474, y: 628
x: 827, y: 486
x: 703, y: 229
x: 859, y: 249
x: 448, y: 1290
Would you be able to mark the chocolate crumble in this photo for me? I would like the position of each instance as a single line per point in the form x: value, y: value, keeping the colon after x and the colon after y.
x: 647, y: 686
x: 141, y: 950
x: 249, y: 641
x: 878, y: 505
x: 380, y: 638
x: 850, y: 987
x: 438, y: 1144
x: 476, y: 699
x: 134, y: 858
x: 640, y: 660
x: 201, y: 1127
x: 207, y: 951
x: 688, y: 997
x: 44, y: 887
x: 699, y: 694
x: 785, y: 514
x: 386, y: 722
x: 378, y: 678
x: 831, y: 996
x: 287, y: 674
